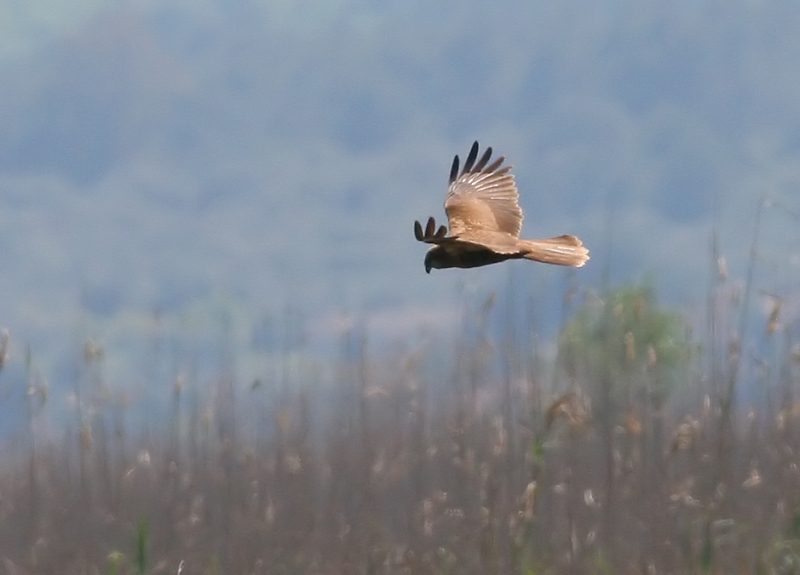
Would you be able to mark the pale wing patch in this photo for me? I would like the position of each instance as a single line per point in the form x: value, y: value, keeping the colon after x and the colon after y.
x: 466, y: 215
x: 498, y: 242
x: 484, y: 201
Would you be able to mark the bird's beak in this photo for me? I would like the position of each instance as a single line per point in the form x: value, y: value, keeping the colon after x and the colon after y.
x: 427, y: 269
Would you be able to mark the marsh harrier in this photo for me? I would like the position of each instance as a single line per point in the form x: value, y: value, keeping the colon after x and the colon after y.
x: 483, y: 212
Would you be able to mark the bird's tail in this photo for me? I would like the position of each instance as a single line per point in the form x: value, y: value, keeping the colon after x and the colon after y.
x: 562, y: 250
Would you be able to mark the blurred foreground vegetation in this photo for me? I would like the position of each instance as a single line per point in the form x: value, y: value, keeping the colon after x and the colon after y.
x: 641, y: 448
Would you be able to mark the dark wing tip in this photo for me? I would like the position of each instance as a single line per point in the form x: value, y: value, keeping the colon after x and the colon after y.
x: 430, y: 228
x: 430, y: 234
x: 454, y: 170
x: 470, y: 165
x: 496, y: 164
x: 484, y: 160
x: 473, y: 155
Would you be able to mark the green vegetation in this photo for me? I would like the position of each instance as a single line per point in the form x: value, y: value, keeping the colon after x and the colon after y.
x: 628, y: 339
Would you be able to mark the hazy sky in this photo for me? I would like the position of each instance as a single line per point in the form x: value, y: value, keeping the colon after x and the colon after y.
x: 238, y: 159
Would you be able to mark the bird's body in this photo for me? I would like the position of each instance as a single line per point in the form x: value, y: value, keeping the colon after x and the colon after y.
x: 485, y: 220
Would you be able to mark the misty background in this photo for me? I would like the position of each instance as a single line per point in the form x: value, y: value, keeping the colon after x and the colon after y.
x: 202, y: 175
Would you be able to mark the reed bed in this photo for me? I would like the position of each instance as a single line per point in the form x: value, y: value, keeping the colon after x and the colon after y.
x: 642, y: 447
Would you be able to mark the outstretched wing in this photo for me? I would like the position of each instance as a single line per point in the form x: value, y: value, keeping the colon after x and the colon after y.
x: 430, y: 235
x: 497, y: 242
x: 482, y: 200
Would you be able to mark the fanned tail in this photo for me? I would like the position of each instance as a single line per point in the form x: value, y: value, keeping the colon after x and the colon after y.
x: 562, y: 250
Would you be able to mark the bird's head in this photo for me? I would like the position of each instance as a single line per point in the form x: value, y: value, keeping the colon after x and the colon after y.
x: 435, y: 258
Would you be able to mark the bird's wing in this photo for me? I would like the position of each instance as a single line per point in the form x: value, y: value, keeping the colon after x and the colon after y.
x: 497, y: 242
x: 482, y: 198
x: 430, y: 235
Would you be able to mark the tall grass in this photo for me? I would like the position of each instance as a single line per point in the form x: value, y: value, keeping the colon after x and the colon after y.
x: 486, y: 460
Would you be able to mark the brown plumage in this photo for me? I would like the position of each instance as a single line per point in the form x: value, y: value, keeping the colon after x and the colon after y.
x: 485, y: 219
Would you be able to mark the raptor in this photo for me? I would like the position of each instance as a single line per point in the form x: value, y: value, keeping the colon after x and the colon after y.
x: 483, y: 213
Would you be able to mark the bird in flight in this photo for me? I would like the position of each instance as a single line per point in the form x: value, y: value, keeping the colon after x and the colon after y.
x: 482, y: 207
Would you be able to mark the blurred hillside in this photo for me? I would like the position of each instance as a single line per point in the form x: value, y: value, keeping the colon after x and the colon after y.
x: 158, y: 158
